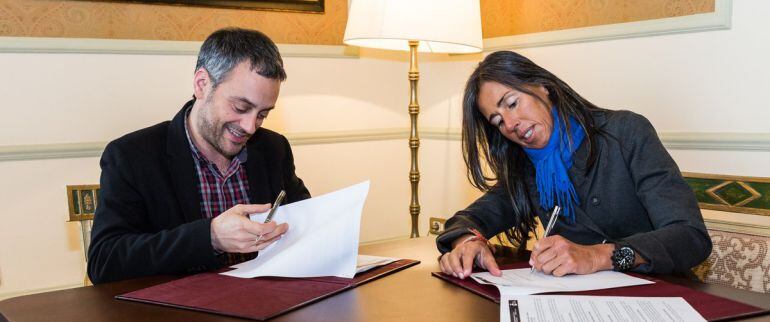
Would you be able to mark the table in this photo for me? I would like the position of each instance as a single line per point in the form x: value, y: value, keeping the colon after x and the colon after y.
x: 408, y: 295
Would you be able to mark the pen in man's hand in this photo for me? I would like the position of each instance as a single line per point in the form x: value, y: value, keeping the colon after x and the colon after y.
x: 277, y: 203
x: 551, y: 223
x: 269, y: 217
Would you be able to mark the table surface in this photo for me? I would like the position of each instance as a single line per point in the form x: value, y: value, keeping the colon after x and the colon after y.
x: 408, y: 295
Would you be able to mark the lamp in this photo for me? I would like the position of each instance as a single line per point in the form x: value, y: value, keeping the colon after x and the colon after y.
x: 436, y: 26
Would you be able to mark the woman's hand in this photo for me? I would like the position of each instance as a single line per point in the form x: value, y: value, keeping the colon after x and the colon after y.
x: 466, y: 251
x: 558, y: 256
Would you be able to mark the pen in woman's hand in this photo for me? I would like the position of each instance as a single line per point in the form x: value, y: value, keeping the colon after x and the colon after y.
x: 551, y: 223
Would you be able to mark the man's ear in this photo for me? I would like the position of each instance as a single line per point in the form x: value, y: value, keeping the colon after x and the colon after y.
x: 201, y: 83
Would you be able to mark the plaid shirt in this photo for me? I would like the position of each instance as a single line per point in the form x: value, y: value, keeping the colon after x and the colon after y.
x: 221, y: 191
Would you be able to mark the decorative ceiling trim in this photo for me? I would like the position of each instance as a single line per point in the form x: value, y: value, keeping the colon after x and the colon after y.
x: 151, y: 47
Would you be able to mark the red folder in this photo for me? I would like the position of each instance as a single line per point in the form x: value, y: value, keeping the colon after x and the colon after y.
x: 256, y: 298
x: 711, y: 307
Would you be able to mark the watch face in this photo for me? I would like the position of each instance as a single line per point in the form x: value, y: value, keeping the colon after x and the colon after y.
x: 623, y: 259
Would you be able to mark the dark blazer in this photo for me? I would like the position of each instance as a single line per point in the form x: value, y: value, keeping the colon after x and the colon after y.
x: 634, y: 194
x: 148, y: 220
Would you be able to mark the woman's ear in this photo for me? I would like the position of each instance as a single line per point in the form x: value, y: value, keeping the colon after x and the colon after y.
x: 542, y: 93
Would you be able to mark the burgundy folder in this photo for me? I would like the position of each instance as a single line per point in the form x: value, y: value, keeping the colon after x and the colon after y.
x: 258, y: 298
x: 711, y: 307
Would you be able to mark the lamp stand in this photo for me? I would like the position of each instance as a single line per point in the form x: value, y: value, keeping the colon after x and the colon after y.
x: 414, y: 139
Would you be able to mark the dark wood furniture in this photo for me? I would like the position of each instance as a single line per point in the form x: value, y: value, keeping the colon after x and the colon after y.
x: 409, y: 295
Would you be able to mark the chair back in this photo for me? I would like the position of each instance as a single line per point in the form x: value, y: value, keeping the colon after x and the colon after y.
x: 83, y: 200
x: 740, y: 260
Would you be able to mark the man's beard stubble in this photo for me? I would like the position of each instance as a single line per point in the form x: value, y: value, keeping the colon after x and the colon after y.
x: 209, y: 132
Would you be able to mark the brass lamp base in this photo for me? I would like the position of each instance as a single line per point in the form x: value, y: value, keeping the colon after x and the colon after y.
x: 414, y: 139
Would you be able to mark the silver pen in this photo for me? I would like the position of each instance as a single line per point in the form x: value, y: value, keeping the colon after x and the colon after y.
x: 269, y: 217
x: 277, y: 203
x: 551, y: 223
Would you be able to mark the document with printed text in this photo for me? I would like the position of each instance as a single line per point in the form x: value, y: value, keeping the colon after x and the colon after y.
x: 522, y: 282
x: 536, y: 308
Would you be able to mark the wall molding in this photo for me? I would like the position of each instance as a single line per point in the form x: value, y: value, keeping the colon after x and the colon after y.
x: 326, y: 137
x: 150, y: 47
x: 720, y: 19
x: 51, y: 151
x: 716, y: 141
x: 725, y: 141
x: 672, y: 140
x: 439, y: 133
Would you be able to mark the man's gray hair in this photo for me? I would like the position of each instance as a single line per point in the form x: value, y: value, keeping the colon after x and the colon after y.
x: 226, y: 48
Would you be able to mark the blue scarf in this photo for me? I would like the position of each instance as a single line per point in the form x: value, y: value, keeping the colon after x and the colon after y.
x: 551, y: 165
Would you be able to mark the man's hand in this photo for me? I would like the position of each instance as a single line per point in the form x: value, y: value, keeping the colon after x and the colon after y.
x: 233, y: 232
x: 558, y: 256
x: 459, y: 262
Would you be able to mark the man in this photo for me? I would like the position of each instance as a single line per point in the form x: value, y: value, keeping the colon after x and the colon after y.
x: 175, y: 197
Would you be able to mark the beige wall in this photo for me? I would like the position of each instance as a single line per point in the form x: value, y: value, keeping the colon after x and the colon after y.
x: 693, y: 82
x: 71, y: 98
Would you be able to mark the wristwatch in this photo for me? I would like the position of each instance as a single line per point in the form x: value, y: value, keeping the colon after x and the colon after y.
x: 623, y: 258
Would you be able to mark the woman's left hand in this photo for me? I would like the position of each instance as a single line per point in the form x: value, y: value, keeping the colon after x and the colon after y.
x: 558, y: 256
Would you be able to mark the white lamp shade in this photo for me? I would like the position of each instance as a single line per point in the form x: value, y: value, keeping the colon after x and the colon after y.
x: 441, y: 26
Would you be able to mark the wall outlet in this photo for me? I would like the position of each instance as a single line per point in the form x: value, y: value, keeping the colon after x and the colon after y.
x: 436, y: 225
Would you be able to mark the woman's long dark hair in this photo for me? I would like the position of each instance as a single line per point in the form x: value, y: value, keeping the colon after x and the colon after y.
x: 484, y: 144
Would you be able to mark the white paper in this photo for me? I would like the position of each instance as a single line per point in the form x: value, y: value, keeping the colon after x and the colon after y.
x: 322, y: 239
x: 367, y: 262
x: 536, y: 308
x: 522, y: 282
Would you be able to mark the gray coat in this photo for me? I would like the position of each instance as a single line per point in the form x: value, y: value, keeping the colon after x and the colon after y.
x: 634, y: 194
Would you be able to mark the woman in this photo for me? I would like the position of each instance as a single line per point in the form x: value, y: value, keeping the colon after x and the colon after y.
x: 625, y: 204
